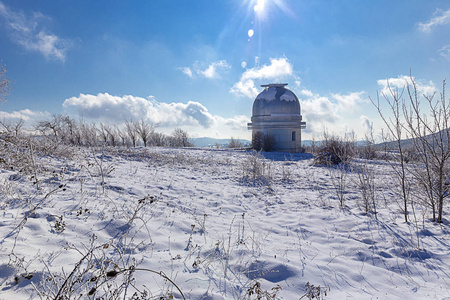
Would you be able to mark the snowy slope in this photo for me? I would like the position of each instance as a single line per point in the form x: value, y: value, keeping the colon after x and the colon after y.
x: 210, y: 224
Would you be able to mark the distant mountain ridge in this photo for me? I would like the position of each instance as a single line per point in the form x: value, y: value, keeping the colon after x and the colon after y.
x: 211, y: 142
x: 409, y: 143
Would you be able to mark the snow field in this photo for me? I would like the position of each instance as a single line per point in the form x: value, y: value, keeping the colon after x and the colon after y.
x: 215, y: 222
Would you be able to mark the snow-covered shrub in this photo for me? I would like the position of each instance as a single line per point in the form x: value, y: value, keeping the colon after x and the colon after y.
x: 315, y: 292
x: 256, y: 292
x: 367, y: 151
x: 334, y: 151
x: 256, y: 169
x: 234, y: 143
x: 365, y: 182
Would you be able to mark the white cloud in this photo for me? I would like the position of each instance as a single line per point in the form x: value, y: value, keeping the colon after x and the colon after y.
x: 441, y: 17
x: 245, y: 89
x: 445, y: 52
x: 349, y: 102
x: 323, y: 113
x: 187, y: 71
x: 278, y: 69
x: 24, y: 114
x: 306, y: 93
x: 118, y: 108
x: 237, y: 122
x: 213, y: 70
x: 318, y: 112
x: 320, y: 109
x: 29, y: 117
x: 26, y: 31
x: 401, y: 82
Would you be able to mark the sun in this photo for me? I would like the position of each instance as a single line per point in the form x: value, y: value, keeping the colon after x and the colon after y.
x: 259, y: 6
x: 259, y: 12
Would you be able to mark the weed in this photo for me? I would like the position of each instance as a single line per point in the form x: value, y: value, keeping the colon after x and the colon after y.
x: 315, y: 292
x: 256, y: 292
x: 60, y: 225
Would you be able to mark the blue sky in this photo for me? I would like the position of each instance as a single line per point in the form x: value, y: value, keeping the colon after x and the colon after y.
x: 199, y: 64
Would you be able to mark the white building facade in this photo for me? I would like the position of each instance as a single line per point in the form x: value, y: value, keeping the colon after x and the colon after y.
x: 277, y: 117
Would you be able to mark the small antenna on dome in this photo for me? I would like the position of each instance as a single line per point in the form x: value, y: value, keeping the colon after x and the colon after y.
x: 274, y: 85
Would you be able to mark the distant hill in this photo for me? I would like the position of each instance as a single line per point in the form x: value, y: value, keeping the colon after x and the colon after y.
x: 211, y: 142
x: 308, y: 143
x: 409, y: 143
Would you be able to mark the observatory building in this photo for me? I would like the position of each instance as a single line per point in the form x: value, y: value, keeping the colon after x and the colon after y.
x: 276, y: 120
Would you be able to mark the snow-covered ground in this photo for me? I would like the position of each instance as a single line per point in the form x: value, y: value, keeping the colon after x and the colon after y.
x: 210, y: 224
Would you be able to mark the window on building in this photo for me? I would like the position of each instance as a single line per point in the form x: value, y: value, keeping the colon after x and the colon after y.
x: 293, y: 136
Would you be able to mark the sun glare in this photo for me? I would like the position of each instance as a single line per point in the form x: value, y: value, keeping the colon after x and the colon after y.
x: 259, y: 12
x: 259, y: 6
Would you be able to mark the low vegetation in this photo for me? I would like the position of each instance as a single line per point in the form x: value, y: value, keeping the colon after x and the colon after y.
x: 142, y: 222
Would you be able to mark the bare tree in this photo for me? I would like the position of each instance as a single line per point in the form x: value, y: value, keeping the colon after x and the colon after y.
x: 365, y: 174
x: 103, y: 133
x: 431, y: 140
x: 144, y: 131
x: 395, y: 127
x: 69, y: 130
x: 159, y: 139
x: 5, y: 84
x: 180, y: 138
x: 123, y: 135
x: 234, y: 143
x: 130, y: 128
x: 13, y: 129
x: 53, y: 125
x: 88, y: 134
x: 111, y: 133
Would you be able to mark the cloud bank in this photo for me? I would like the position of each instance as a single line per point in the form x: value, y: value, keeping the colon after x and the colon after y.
x: 329, y: 112
x: 119, y: 108
x: 191, y: 115
x: 27, y: 31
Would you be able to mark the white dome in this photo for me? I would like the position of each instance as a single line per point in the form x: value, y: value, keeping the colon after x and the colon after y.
x: 276, y: 99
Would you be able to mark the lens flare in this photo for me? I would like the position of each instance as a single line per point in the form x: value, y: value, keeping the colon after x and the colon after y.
x: 250, y: 33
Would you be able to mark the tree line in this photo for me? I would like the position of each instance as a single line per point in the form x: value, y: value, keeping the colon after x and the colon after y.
x: 70, y: 131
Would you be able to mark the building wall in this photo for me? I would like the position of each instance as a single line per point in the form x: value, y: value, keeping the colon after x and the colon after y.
x: 283, y: 139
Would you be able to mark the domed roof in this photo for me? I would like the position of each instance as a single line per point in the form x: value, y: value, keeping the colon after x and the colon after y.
x: 276, y: 99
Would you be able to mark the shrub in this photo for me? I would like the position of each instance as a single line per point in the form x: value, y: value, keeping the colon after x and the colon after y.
x: 234, y: 143
x: 263, y: 142
x: 333, y: 152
